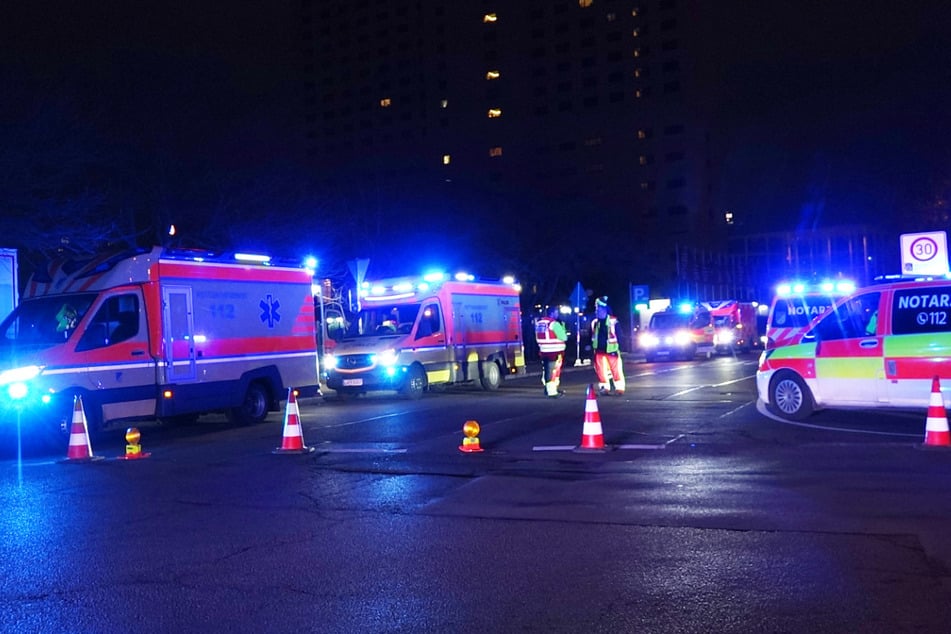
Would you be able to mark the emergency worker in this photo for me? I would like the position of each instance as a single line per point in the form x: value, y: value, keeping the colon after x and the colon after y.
x: 551, y: 336
x: 66, y: 318
x: 607, y: 351
x: 391, y: 323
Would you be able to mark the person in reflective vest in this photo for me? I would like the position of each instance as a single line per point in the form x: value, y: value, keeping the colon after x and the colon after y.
x: 607, y: 352
x: 551, y: 336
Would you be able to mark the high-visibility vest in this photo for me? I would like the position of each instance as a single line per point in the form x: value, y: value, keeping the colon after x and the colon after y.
x: 612, y: 344
x: 547, y: 338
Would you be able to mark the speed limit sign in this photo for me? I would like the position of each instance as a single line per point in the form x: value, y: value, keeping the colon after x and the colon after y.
x: 924, y: 253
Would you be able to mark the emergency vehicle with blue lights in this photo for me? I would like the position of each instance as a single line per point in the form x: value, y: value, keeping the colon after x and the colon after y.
x: 796, y: 303
x: 682, y: 331
x: 880, y: 346
x: 734, y: 325
x: 157, y: 334
x: 412, y: 333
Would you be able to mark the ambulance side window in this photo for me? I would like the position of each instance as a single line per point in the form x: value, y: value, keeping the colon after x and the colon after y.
x: 116, y: 320
x: 429, y: 323
x: 850, y: 319
x: 921, y: 310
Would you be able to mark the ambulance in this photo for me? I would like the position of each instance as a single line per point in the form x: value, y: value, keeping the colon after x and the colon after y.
x: 157, y: 334
x: 796, y: 304
x: 880, y: 346
x: 735, y: 325
x: 413, y: 333
x: 680, y: 332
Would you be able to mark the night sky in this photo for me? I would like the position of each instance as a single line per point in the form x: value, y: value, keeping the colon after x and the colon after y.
x: 831, y: 111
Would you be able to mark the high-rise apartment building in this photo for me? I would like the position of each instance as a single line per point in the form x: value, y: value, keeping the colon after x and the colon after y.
x: 560, y: 128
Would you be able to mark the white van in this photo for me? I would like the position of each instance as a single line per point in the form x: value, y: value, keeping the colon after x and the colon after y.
x: 881, y: 346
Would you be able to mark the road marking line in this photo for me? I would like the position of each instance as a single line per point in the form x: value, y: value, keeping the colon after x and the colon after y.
x: 761, y: 408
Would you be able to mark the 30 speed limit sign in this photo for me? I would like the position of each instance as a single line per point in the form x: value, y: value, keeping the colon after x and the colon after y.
x: 924, y: 253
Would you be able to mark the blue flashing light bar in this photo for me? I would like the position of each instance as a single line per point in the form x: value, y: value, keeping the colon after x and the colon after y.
x: 402, y: 288
x: 829, y: 287
x: 252, y: 257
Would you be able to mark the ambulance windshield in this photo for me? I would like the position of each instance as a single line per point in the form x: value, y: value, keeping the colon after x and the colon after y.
x: 669, y: 321
x: 44, y: 321
x: 798, y: 311
x: 384, y: 320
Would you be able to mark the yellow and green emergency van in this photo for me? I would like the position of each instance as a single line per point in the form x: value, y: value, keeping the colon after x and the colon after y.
x: 880, y: 346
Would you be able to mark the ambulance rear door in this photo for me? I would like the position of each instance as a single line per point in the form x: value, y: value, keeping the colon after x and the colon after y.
x: 849, y: 353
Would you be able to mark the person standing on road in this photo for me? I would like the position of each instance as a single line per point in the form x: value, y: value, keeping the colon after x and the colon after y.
x: 607, y: 351
x: 551, y: 336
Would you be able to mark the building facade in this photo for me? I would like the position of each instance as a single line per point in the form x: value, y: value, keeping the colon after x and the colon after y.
x: 574, y: 129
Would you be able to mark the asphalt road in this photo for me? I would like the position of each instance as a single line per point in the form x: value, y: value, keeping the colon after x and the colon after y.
x: 703, y: 514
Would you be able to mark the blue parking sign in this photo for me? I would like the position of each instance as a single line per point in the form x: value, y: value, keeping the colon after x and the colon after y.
x: 640, y: 293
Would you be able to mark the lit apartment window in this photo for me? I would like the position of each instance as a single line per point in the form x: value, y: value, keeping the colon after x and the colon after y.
x: 495, y: 113
x: 635, y: 11
x: 642, y: 160
x: 637, y: 72
x: 642, y: 134
x: 489, y: 17
x: 446, y: 159
x: 728, y: 216
x: 636, y: 32
x: 611, y: 17
x: 385, y: 102
x: 493, y: 74
x: 637, y: 52
x: 584, y: 4
x: 645, y: 186
x: 638, y: 94
x: 444, y: 103
x: 495, y: 151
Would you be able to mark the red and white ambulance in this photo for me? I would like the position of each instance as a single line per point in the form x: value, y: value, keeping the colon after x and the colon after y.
x: 735, y: 324
x: 158, y: 334
x: 880, y: 346
x: 412, y: 333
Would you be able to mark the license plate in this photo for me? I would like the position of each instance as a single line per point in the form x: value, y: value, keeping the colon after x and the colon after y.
x: 352, y: 382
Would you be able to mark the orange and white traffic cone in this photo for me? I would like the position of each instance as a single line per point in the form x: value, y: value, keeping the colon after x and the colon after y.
x: 80, y: 448
x: 293, y: 441
x: 592, y: 437
x: 936, y: 427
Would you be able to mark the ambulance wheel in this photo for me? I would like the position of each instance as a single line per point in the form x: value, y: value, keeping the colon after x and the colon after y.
x: 491, y: 376
x: 415, y: 383
x: 790, y: 397
x: 254, y: 407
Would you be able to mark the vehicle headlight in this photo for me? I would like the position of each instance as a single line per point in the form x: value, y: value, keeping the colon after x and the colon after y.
x: 19, y: 375
x: 330, y: 362
x: 648, y: 340
x: 725, y: 336
x: 682, y: 338
x: 386, y: 357
x: 17, y: 390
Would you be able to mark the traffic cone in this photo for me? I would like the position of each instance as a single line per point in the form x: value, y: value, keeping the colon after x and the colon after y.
x: 592, y: 438
x: 293, y: 441
x: 80, y: 449
x: 936, y: 427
